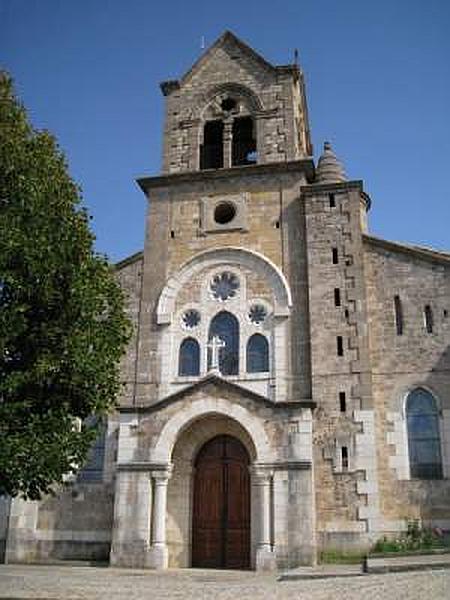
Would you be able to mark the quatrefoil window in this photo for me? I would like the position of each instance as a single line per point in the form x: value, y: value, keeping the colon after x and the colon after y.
x: 257, y: 314
x: 190, y: 319
x: 224, y: 286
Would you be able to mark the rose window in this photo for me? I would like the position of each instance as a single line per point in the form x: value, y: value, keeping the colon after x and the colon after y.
x: 224, y: 286
x: 190, y: 319
x: 257, y: 314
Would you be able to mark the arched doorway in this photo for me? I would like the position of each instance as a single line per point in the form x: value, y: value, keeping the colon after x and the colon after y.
x: 221, y: 511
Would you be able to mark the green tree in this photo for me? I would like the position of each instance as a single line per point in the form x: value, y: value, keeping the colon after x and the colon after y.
x: 63, y: 327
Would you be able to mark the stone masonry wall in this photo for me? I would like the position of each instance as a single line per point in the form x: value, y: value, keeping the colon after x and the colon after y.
x: 129, y: 275
x: 403, y: 362
x: 346, y: 486
x: 274, y: 228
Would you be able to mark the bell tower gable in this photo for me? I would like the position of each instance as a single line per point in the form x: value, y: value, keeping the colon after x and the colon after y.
x: 233, y: 108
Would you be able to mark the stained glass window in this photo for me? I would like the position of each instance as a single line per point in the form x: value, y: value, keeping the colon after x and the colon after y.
x: 257, y: 314
x: 226, y: 326
x: 422, y: 418
x: 190, y: 319
x: 92, y: 470
x: 189, y: 359
x: 224, y: 286
x: 257, y: 354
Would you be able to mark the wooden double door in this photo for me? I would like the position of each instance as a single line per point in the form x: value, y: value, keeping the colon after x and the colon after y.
x: 221, y: 512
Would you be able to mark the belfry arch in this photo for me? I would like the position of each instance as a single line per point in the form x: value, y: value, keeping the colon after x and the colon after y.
x: 227, y: 126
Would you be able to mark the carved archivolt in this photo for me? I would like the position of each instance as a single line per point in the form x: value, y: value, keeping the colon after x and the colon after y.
x: 254, y: 261
x: 208, y: 105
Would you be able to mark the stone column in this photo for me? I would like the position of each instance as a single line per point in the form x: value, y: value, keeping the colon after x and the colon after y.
x: 227, y: 143
x: 160, y: 554
x: 265, y: 555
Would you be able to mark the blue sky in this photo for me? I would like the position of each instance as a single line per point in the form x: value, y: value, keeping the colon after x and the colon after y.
x: 378, y: 86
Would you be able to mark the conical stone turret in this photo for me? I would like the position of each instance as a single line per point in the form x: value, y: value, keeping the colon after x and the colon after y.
x: 329, y: 169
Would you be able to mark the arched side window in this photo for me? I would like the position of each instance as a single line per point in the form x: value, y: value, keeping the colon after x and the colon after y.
x: 257, y: 354
x: 226, y: 327
x: 92, y: 470
x: 422, y: 421
x: 189, y: 358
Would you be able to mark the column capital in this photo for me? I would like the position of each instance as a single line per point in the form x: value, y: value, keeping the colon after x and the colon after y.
x: 261, y: 475
x: 228, y: 124
x: 162, y: 476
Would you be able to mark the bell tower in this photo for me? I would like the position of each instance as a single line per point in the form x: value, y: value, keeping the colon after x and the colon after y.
x: 237, y: 151
x: 233, y: 108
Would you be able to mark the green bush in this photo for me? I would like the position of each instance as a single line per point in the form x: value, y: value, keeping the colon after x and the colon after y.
x: 415, y: 538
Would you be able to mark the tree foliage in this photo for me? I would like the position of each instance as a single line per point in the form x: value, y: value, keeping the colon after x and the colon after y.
x: 62, y: 323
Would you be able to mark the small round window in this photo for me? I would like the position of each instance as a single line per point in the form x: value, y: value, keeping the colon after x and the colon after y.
x: 190, y: 319
x: 224, y: 286
x: 257, y: 314
x: 224, y: 213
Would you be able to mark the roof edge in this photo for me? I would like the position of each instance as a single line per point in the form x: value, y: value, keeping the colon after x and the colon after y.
x: 129, y: 260
x: 220, y: 381
x: 424, y: 253
x: 226, y: 35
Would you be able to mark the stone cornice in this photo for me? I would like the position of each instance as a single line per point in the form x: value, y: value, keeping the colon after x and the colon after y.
x: 143, y: 466
x: 305, y: 166
x: 169, y: 86
x: 314, y: 189
x: 219, y: 382
x: 285, y: 465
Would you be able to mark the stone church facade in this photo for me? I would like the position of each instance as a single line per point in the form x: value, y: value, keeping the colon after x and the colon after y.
x: 287, y: 388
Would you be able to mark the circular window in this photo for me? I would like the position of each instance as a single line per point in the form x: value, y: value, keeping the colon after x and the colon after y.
x: 257, y: 314
x: 190, y: 319
x: 224, y: 286
x: 224, y: 213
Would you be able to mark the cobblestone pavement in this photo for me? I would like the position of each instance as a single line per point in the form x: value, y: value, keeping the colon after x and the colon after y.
x: 74, y: 583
